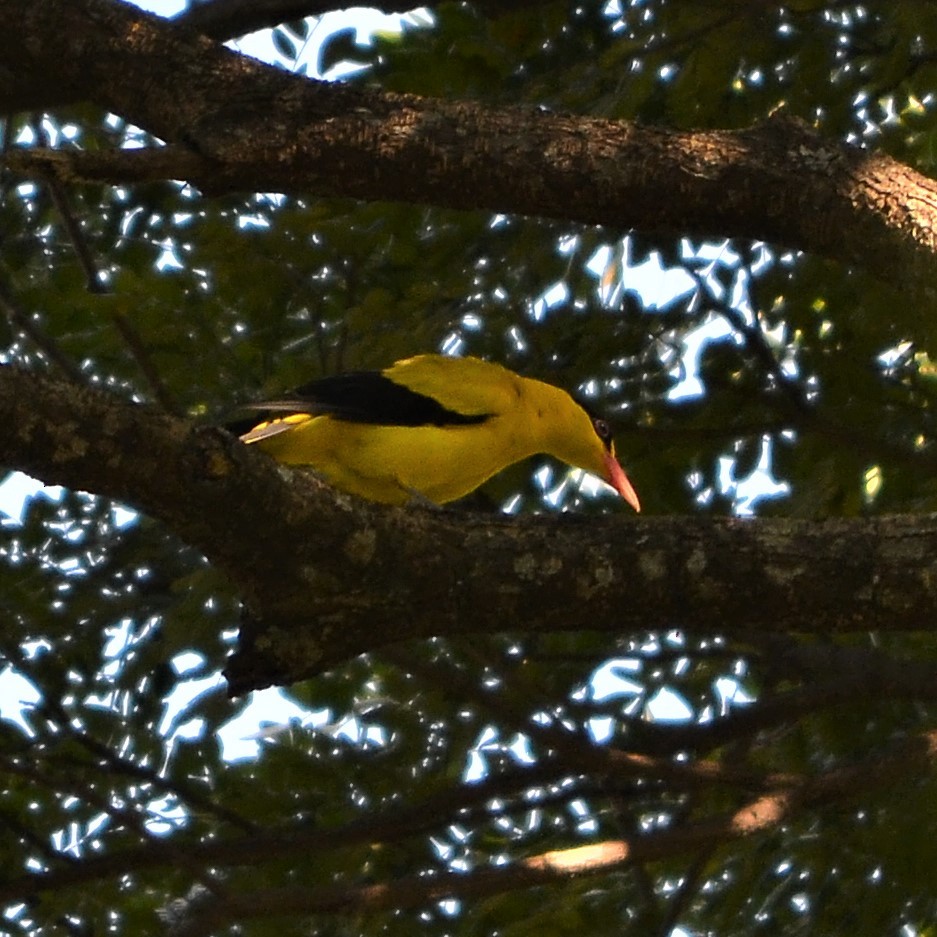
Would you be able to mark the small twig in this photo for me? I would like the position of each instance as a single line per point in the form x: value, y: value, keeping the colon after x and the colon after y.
x: 6, y: 179
x: 576, y: 754
x: 809, y: 419
x: 40, y: 844
x: 20, y: 319
x: 95, y: 283
x: 49, y: 165
x: 756, y: 344
x: 890, y: 679
x: 117, y: 764
x: 76, y: 236
x: 80, y: 791
x: 141, y: 355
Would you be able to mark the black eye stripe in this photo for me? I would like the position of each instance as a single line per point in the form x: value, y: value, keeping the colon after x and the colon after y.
x: 602, y: 429
x: 599, y: 424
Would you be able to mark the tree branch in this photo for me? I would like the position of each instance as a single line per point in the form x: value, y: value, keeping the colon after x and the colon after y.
x: 252, y: 126
x: 761, y: 814
x: 334, y: 575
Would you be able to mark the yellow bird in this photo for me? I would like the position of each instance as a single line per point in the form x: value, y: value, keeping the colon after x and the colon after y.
x: 432, y: 426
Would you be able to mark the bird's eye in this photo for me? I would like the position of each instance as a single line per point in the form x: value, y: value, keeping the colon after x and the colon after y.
x: 602, y: 429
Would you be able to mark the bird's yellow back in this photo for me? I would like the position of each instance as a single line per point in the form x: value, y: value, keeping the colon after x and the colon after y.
x: 465, y: 385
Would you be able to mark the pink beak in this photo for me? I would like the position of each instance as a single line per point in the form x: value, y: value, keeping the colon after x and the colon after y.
x: 616, y: 477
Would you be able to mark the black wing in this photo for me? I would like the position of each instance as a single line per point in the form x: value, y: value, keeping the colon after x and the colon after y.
x: 366, y: 397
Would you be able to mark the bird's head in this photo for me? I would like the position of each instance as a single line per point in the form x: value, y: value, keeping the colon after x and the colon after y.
x: 605, y: 463
x: 584, y: 439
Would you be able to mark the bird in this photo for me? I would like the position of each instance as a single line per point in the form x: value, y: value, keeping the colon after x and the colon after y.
x: 432, y: 427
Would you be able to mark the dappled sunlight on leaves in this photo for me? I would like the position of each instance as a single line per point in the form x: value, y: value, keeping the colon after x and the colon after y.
x: 741, y: 378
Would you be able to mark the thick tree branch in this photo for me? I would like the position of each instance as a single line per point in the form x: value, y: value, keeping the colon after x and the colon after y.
x: 326, y: 576
x: 243, y: 126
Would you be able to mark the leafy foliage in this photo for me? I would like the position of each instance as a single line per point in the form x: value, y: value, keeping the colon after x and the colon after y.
x: 724, y: 366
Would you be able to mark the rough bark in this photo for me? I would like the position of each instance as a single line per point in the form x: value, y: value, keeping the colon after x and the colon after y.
x: 236, y: 124
x: 326, y: 576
